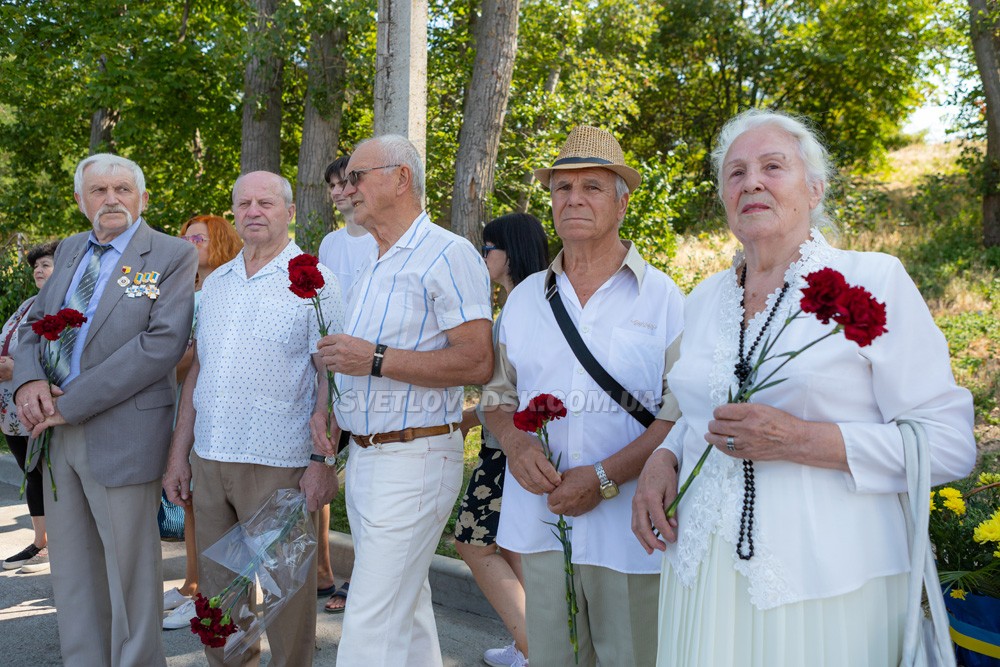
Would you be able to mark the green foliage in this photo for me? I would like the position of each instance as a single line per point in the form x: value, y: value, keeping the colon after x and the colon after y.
x: 15, y: 276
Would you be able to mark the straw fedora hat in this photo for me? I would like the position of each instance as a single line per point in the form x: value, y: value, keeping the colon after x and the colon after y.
x: 587, y: 148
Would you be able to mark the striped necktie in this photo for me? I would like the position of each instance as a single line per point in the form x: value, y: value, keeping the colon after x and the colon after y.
x: 62, y: 350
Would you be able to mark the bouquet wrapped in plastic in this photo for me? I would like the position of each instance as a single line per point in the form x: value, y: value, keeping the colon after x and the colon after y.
x: 275, y: 550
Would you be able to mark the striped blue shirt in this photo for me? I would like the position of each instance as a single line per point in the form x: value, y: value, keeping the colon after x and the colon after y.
x: 430, y: 281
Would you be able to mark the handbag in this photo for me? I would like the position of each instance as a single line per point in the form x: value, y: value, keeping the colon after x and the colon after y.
x: 170, y: 519
x: 926, y: 641
x: 604, y: 380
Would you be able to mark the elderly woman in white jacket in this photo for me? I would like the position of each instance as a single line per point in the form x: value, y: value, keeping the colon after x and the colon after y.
x: 790, y: 546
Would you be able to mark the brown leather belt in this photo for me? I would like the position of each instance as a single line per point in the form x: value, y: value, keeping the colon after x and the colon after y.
x: 406, y: 435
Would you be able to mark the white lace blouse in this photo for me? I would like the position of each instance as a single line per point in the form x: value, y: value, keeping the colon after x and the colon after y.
x: 817, y: 532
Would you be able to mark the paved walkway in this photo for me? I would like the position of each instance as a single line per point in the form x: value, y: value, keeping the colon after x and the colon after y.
x: 28, y: 633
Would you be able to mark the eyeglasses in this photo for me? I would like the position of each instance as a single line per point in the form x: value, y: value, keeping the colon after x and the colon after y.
x: 486, y: 249
x: 354, y: 177
x: 196, y: 239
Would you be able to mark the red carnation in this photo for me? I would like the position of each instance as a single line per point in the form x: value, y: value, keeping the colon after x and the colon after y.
x: 49, y: 327
x: 548, y: 406
x: 862, y: 317
x: 306, y: 280
x: 825, y: 288
x: 72, y: 318
x: 305, y: 259
x: 540, y: 410
x: 529, y: 421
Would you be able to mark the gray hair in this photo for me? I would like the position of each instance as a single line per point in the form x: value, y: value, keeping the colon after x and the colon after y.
x: 106, y: 163
x: 397, y: 149
x: 621, y: 187
x: 286, y: 188
x: 811, y: 150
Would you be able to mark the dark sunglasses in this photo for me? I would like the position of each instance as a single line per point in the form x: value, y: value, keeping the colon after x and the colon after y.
x: 354, y: 177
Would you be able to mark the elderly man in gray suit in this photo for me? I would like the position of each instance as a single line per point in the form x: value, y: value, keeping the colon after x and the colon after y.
x: 111, y: 406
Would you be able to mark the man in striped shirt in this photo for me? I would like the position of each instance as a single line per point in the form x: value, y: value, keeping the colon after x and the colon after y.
x: 419, y: 329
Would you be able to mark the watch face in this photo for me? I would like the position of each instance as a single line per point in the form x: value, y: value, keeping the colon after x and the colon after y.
x: 609, y: 491
x: 330, y: 460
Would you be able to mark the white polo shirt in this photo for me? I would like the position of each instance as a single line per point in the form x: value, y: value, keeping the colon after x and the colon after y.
x: 257, y: 384
x: 428, y: 282
x: 629, y: 324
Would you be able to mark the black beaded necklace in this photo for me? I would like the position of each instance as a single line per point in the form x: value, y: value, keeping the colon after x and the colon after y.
x: 742, y: 371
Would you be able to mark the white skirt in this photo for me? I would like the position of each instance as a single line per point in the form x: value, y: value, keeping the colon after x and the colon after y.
x: 713, y: 623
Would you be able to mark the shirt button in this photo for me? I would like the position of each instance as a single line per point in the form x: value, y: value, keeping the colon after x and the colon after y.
x: 586, y: 329
x: 576, y: 457
x: 579, y: 370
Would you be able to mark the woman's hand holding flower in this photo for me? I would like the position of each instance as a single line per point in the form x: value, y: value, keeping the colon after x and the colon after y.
x: 763, y: 433
x: 656, y: 490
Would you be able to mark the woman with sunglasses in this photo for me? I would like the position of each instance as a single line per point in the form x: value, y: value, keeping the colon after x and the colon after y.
x: 217, y: 243
x: 514, y: 247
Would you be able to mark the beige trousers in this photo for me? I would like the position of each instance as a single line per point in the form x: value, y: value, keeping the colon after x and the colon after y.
x: 616, y: 622
x: 104, y: 549
x: 233, y: 492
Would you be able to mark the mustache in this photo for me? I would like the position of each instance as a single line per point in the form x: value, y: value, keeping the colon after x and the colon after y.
x: 104, y: 210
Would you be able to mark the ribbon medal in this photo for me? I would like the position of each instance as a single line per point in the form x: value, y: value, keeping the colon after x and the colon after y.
x: 144, y: 284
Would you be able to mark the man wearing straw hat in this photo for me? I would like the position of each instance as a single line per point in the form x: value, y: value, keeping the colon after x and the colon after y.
x: 628, y: 315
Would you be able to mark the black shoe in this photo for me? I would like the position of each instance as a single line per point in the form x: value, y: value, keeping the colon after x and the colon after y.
x: 18, y: 559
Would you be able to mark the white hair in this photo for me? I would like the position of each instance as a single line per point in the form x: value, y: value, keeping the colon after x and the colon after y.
x: 621, y: 187
x: 106, y: 163
x: 285, y: 186
x: 811, y: 150
x: 397, y: 149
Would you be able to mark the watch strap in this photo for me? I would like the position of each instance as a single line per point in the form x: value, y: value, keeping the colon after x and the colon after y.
x: 377, y: 359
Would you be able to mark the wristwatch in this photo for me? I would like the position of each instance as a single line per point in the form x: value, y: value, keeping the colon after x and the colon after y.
x: 377, y: 359
x: 608, y: 488
x: 330, y: 461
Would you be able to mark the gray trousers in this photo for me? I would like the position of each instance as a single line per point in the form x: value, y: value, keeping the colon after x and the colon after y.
x: 616, y: 622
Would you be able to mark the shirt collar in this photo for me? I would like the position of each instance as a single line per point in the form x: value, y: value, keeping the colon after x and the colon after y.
x: 414, y: 231
x: 121, y: 241
x: 278, y: 263
x: 633, y: 262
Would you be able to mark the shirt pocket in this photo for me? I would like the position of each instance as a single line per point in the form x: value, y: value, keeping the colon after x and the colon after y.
x: 636, y: 361
x: 275, y: 321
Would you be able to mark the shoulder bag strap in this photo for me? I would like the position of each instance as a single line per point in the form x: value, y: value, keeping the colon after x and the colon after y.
x: 614, y: 388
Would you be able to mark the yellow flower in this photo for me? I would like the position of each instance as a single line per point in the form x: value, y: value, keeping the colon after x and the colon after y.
x: 950, y: 492
x: 958, y: 593
x: 988, y: 478
x: 956, y: 505
x: 933, y: 506
x: 989, y: 530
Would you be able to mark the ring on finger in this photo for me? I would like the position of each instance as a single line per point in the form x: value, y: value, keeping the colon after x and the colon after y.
x: 730, y: 443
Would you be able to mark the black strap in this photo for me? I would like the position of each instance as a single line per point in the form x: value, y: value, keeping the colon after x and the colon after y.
x: 614, y: 388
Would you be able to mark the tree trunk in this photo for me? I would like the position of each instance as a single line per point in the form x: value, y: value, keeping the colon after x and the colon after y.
x: 320, y: 136
x: 102, y: 123
x: 262, y: 85
x: 482, y: 119
x: 551, y: 81
x: 983, y: 28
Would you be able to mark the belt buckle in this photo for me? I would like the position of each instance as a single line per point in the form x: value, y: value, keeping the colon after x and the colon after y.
x: 365, y: 441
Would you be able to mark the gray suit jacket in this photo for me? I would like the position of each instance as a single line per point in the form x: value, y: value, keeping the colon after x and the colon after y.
x: 124, y: 395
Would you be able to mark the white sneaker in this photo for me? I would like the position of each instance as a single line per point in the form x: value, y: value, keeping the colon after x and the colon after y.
x: 180, y: 617
x: 508, y: 656
x: 173, y: 599
x: 37, y: 563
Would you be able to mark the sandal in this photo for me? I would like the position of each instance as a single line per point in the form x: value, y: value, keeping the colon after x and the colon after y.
x: 341, y: 594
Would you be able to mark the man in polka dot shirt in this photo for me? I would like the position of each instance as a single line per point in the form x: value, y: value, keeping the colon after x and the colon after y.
x: 250, y: 398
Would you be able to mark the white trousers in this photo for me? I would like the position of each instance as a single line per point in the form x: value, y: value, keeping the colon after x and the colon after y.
x: 399, y: 497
